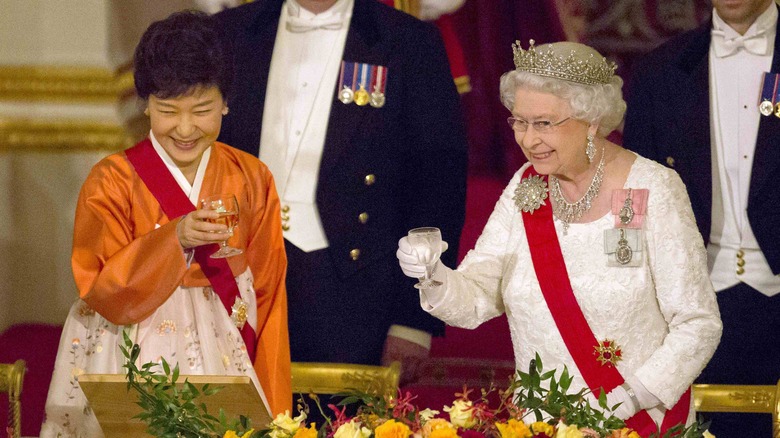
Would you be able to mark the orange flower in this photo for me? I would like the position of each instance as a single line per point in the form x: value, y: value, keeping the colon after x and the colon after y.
x: 306, y: 432
x: 444, y: 432
x: 514, y: 429
x: 624, y: 433
x: 392, y: 429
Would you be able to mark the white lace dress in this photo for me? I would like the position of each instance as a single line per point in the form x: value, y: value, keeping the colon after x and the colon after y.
x: 192, y: 328
x: 662, y: 313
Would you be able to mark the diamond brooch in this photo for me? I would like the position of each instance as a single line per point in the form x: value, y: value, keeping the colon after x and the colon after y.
x: 530, y: 193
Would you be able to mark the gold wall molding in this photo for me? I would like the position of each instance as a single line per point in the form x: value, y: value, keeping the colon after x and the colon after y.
x: 63, y: 136
x: 62, y: 83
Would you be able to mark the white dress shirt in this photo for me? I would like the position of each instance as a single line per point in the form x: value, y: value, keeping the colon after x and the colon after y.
x: 304, y: 69
x: 734, y: 95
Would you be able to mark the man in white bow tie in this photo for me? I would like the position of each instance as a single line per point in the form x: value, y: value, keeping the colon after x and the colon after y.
x: 707, y: 103
x: 351, y: 105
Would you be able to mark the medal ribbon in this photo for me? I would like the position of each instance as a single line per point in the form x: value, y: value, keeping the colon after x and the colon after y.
x: 768, y: 89
x: 174, y: 203
x: 553, y: 278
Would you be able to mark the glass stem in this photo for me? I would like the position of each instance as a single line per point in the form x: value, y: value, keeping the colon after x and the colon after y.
x: 429, y: 271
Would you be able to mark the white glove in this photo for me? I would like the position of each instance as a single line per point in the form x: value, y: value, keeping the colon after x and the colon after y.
x: 409, y: 261
x: 627, y: 407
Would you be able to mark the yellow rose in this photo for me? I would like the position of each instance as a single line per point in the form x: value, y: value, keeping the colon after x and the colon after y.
x: 352, y: 429
x: 230, y: 434
x: 461, y: 414
x: 570, y: 431
x: 514, y: 429
x: 248, y: 433
x: 444, y: 433
x: 707, y: 434
x: 434, y: 425
x: 306, y: 432
x: 542, y: 427
x: 392, y: 429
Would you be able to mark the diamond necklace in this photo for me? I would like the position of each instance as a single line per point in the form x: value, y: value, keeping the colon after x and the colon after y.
x: 569, y: 212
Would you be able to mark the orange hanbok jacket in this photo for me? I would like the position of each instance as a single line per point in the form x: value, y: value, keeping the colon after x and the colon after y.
x: 127, y: 259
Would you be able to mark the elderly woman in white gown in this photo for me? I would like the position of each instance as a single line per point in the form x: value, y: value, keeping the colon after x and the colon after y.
x: 592, y: 251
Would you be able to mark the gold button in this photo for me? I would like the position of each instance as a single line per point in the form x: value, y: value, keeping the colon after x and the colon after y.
x: 363, y: 217
x: 285, y: 217
x: 285, y: 208
x: 740, y: 262
x: 670, y: 161
x: 285, y: 227
x: 370, y: 179
x: 740, y: 254
x: 740, y: 270
x: 354, y: 254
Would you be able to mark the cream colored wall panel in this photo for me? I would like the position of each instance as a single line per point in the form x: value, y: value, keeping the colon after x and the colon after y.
x: 54, y: 32
x: 39, y: 198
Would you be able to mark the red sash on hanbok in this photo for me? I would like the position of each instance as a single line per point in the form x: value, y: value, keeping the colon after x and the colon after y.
x: 572, y: 325
x: 158, y: 179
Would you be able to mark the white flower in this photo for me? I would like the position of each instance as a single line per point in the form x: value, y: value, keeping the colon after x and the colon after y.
x: 570, y: 431
x: 284, y: 426
x: 427, y: 413
x: 461, y: 414
x: 352, y: 429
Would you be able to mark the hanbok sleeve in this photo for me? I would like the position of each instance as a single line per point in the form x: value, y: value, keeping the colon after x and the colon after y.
x: 678, y: 262
x: 268, y: 262
x: 122, y: 276
x: 472, y: 293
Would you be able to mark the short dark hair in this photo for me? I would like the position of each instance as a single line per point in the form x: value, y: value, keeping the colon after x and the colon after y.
x: 178, y: 54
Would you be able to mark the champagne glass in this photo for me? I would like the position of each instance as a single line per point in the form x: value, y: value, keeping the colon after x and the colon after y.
x: 227, y: 207
x: 426, y: 245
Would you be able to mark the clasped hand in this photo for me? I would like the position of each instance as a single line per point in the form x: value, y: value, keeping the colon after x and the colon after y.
x: 409, y: 260
x: 194, y: 229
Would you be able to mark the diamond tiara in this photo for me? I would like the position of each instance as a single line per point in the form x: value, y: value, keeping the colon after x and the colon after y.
x: 572, y: 62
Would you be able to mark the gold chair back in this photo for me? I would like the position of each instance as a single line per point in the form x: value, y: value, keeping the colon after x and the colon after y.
x: 11, y: 379
x: 740, y: 398
x: 332, y: 378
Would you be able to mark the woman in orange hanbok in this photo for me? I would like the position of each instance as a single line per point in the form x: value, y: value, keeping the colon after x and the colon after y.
x: 141, y: 248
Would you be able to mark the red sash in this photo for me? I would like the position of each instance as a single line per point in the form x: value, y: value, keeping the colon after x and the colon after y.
x: 155, y: 175
x: 572, y: 325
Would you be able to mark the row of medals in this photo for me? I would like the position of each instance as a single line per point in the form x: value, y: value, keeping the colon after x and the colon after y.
x: 361, y: 97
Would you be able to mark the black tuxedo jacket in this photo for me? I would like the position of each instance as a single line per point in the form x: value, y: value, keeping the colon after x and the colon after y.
x: 414, y: 147
x: 668, y: 120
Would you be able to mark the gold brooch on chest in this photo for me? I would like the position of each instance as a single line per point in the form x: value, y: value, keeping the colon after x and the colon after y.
x: 530, y: 194
x: 239, y: 313
x: 608, y: 352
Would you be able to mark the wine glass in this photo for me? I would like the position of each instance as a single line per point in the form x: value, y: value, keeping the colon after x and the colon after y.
x: 426, y: 245
x: 227, y: 207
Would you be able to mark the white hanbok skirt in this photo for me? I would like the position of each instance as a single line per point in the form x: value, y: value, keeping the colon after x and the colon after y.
x: 191, y: 329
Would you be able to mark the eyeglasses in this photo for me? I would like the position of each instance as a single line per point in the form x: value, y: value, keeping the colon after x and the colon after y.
x: 540, y: 126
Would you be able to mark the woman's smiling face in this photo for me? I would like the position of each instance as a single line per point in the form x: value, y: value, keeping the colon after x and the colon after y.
x: 558, y: 151
x: 187, y: 125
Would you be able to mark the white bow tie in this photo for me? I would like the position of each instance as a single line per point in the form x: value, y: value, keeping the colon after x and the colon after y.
x: 755, y: 44
x: 299, y: 25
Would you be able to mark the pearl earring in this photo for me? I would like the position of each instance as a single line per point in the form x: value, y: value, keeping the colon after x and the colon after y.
x: 590, y: 149
x: 225, y: 111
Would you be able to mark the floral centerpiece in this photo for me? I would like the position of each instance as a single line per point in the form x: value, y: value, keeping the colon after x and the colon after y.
x: 537, y: 404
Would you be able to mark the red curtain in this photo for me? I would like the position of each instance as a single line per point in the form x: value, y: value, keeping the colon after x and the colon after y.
x: 487, y: 29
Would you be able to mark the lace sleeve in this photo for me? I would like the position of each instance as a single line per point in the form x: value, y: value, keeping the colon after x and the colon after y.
x: 473, y: 291
x: 678, y: 263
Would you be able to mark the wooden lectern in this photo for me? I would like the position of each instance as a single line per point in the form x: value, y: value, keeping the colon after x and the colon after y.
x: 114, y: 406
